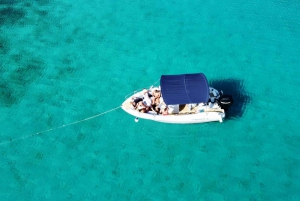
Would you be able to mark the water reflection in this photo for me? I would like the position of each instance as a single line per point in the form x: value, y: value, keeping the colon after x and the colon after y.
x: 236, y: 89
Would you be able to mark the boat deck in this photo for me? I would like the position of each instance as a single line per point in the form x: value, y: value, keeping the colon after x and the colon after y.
x: 183, y: 109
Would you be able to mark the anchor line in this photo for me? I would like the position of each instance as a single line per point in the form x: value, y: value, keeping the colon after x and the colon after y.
x: 62, y: 126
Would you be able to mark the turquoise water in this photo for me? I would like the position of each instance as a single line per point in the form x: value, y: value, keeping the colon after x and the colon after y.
x: 64, y: 61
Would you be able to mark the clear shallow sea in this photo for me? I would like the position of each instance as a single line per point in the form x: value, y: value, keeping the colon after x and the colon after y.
x: 63, y: 61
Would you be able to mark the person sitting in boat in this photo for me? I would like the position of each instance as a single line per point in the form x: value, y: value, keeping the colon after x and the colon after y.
x: 155, y: 105
x: 135, y: 101
x: 164, y: 110
x: 156, y: 93
x: 146, y: 99
x: 141, y: 107
x: 155, y: 101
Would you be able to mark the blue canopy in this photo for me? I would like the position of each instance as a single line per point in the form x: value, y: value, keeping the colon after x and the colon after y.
x: 184, y: 89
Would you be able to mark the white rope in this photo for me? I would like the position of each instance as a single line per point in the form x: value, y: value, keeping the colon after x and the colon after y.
x: 156, y: 82
x: 62, y: 126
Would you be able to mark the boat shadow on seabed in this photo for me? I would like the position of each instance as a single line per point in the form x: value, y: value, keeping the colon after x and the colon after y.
x: 240, y: 96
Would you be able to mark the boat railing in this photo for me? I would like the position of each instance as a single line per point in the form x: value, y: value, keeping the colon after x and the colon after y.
x: 131, y: 93
x: 134, y: 92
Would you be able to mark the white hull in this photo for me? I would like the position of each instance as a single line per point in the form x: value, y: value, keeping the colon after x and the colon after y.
x: 200, y: 114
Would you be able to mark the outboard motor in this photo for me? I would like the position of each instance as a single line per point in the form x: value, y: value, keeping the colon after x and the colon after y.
x: 225, y: 101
